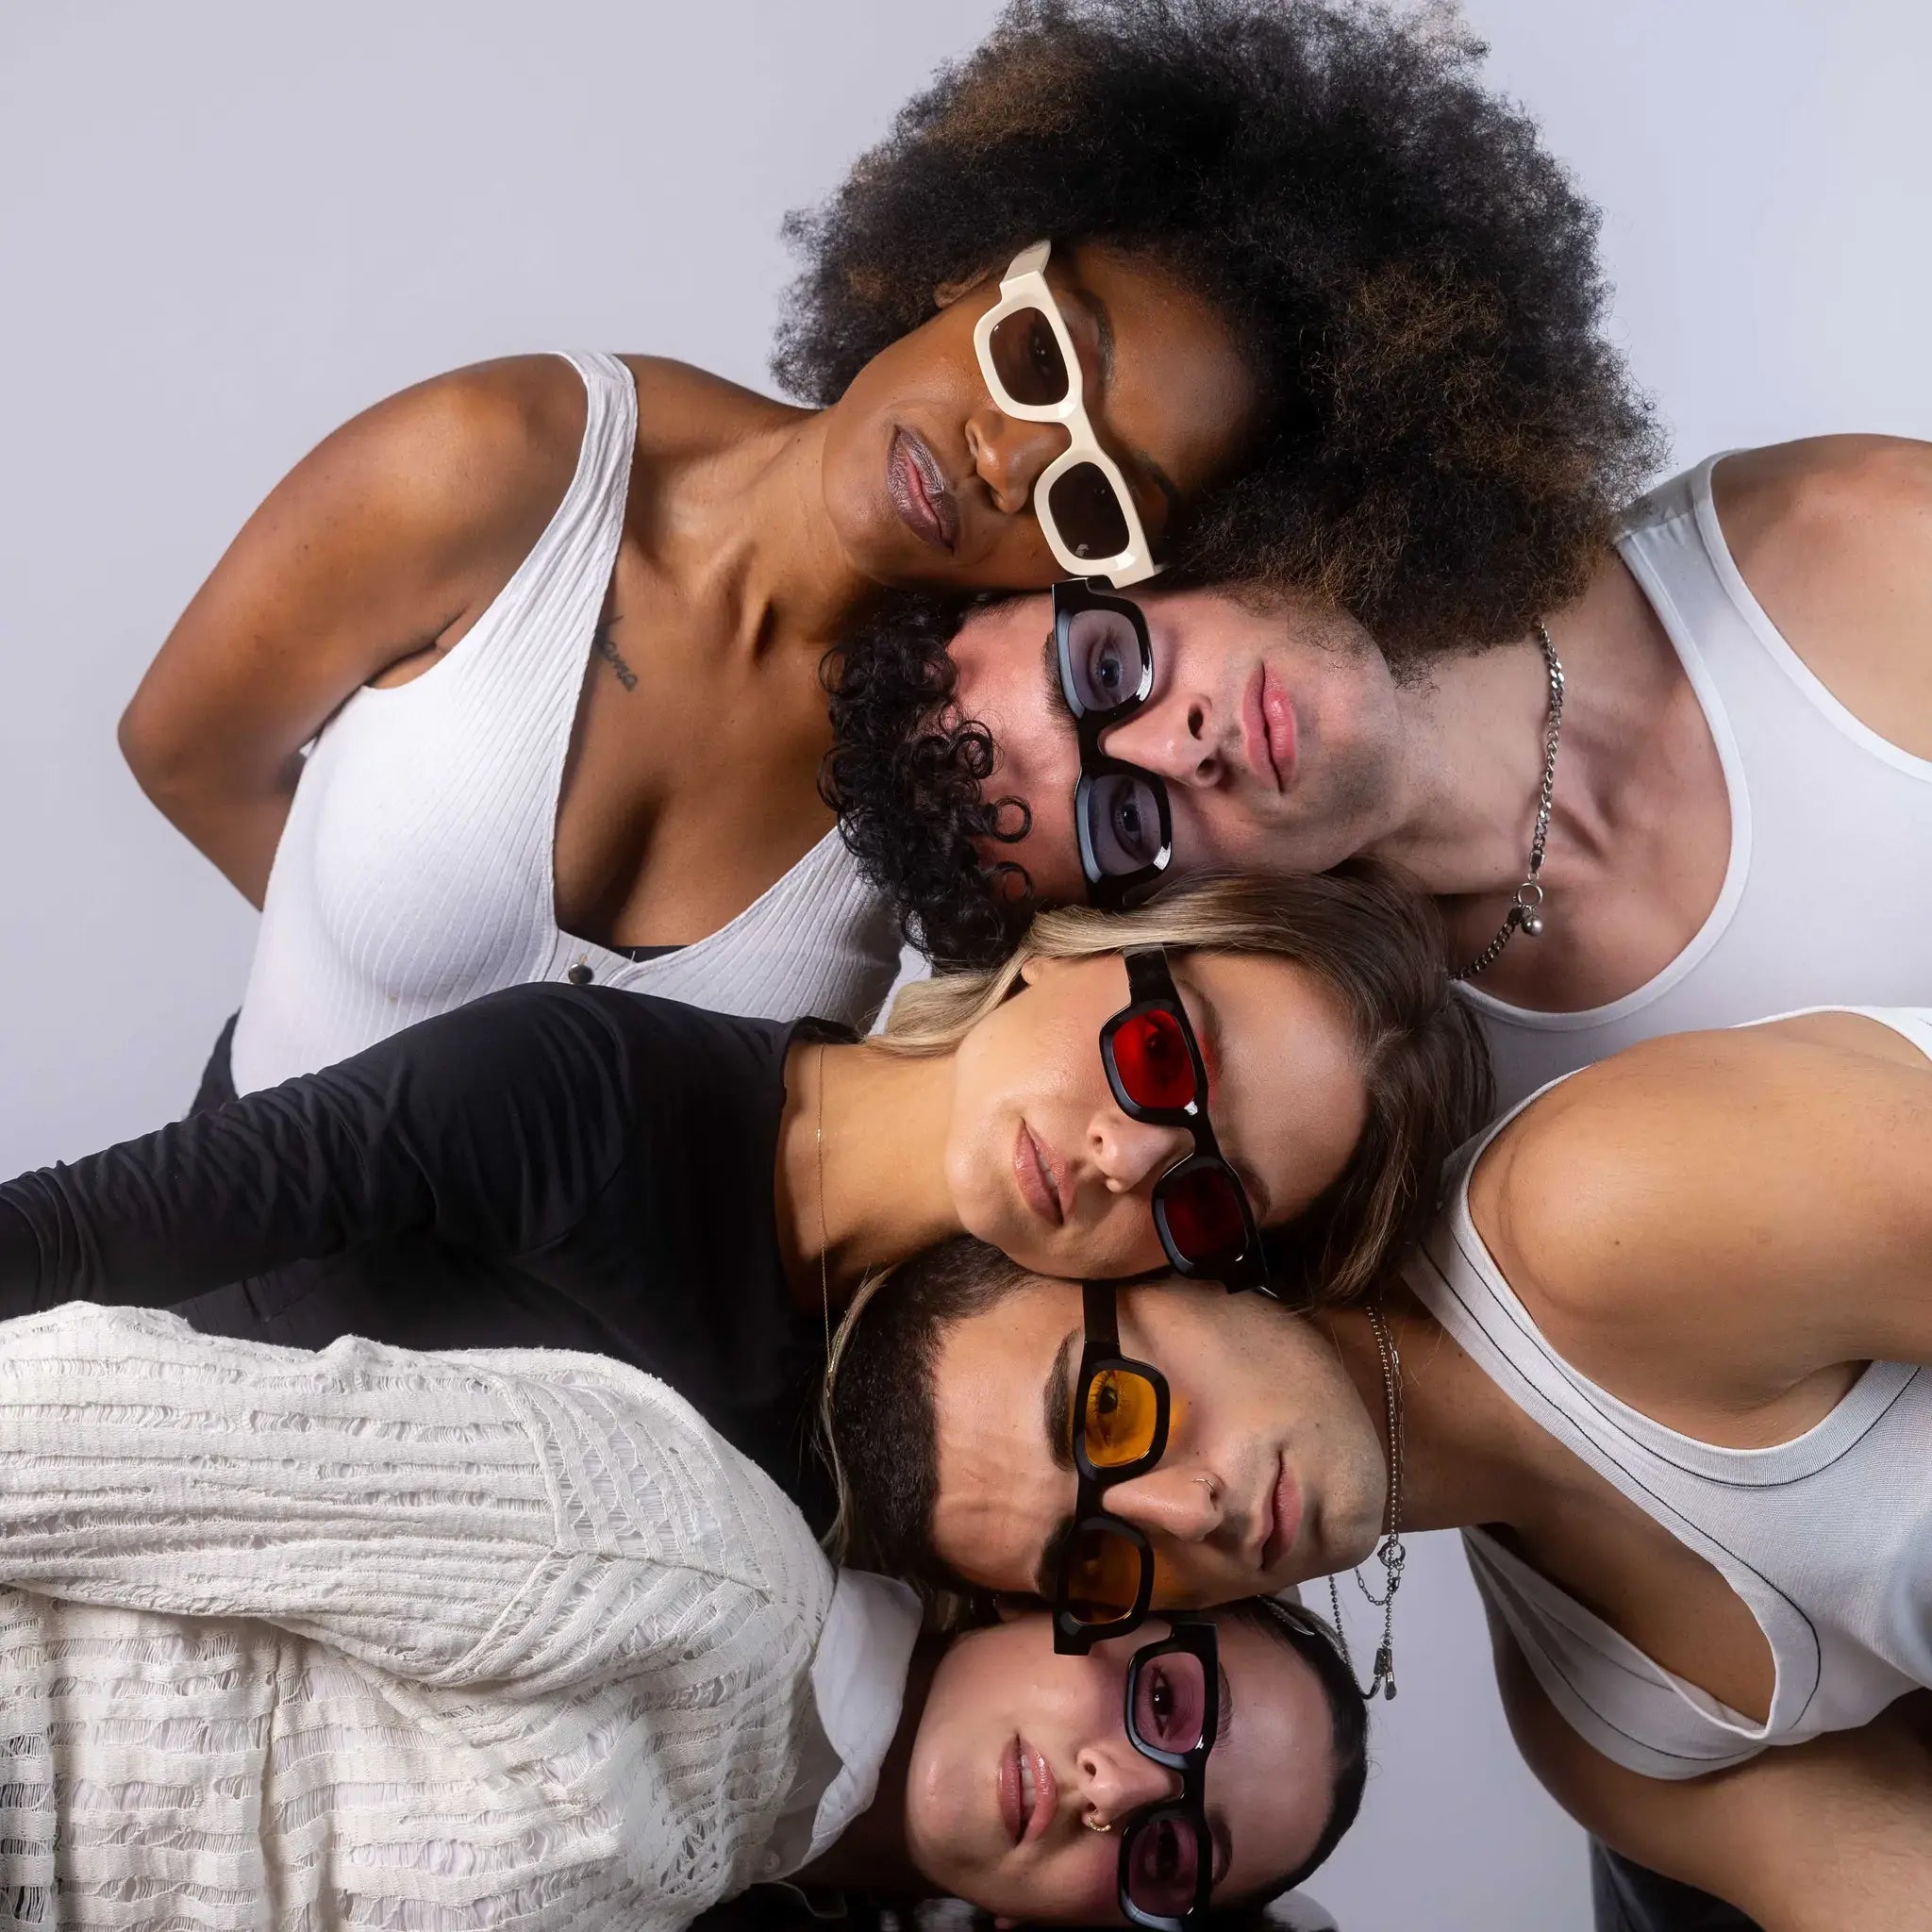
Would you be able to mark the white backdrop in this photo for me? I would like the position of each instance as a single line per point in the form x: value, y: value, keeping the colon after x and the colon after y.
x: 225, y: 227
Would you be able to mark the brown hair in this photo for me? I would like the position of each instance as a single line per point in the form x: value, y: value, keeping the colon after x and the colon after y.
x: 1377, y: 945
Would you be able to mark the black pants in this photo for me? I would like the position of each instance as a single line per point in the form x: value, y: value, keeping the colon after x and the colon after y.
x: 1629, y: 1899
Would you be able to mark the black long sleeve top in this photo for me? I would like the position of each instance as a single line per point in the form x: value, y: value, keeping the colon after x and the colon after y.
x: 552, y: 1166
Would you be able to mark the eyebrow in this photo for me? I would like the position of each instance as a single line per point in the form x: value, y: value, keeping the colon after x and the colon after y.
x: 1217, y: 1824
x: 1056, y: 692
x: 1258, y: 1198
x: 1056, y: 1419
x: 1103, y: 329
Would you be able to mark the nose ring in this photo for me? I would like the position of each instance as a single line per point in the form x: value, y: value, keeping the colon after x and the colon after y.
x: 1095, y: 1824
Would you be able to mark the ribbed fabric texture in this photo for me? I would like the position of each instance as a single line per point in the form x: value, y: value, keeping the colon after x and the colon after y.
x: 1827, y: 1539
x: 415, y: 870
x: 502, y: 1640
x: 1815, y: 796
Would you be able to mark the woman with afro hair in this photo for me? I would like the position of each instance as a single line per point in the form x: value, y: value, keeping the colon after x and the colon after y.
x: 1264, y: 284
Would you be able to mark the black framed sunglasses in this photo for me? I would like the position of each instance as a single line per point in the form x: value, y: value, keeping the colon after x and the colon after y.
x: 1153, y: 1061
x: 1121, y: 818
x: 1172, y: 1716
x: 1104, y: 1568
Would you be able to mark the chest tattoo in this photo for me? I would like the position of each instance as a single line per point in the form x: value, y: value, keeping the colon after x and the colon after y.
x: 607, y: 649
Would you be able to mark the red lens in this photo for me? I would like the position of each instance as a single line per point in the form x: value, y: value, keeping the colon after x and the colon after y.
x: 1150, y: 1055
x: 1202, y: 1211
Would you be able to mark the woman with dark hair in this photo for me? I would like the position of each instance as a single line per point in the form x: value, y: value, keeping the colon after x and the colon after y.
x: 1255, y: 1082
x: 510, y: 1638
x: 1193, y: 283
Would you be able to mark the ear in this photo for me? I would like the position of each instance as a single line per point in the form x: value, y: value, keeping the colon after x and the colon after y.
x: 1040, y: 968
x: 946, y: 293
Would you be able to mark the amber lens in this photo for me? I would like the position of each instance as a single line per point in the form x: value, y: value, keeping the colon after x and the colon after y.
x: 1202, y: 1211
x: 1026, y: 355
x: 1102, y: 1569
x: 1087, y: 513
x: 1118, y: 1421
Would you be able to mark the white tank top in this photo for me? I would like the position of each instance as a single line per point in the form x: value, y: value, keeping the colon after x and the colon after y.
x: 415, y: 872
x: 1831, y: 826
x: 1826, y: 1538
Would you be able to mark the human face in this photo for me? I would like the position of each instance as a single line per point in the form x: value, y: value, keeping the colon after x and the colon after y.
x: 1272, y: 1473
x: 1017, y: 1747
x: 1274, y: 725
x: 927, y: 482
x: 1041, y: 1159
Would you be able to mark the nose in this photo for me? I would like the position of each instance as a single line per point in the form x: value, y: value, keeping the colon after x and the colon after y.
x: 1116, y: 1781
x: 1186, y: 1506
x: 1127, y: 1152
x: 1009, y: 455
x: 1174, y: 737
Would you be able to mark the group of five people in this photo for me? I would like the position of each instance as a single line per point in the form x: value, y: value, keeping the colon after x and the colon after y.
x: 1200, y: 602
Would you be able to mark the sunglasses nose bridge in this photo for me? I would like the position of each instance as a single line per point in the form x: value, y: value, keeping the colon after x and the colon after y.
x: 1011, y: 455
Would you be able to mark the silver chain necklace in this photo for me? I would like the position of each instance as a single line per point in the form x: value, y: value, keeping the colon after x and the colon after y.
x: 1388, y: 1553
x: 1526, y: 908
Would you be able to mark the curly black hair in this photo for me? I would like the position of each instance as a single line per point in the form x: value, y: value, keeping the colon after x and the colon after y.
x: 1446, y: 438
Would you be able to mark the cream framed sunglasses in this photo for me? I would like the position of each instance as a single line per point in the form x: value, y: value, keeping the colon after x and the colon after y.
x: 1032, y: 373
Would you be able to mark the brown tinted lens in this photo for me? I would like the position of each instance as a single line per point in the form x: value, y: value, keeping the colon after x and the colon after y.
x: 1026, y: 354
x: 1203, y: 1210
x: 1102, y: 1570
x: 1087, y: 513
x: 1119, y: 1419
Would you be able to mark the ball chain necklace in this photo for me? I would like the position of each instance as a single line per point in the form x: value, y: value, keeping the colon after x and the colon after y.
x: 1388, y: 1553
x: 1526, y: 908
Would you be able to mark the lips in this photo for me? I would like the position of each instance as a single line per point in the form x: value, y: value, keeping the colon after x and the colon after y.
x: 1029, y: 1794
x: 1269, y: 731
x: 918, y: 489
x: 1040, y: 1185
x: 1284, y: 1528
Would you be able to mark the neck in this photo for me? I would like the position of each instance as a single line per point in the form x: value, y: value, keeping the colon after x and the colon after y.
x: 1469, y: 1455
x: 873, y: 1850
x: 1473, y: 734
x: 885, y: 1195
x: 748, y: 529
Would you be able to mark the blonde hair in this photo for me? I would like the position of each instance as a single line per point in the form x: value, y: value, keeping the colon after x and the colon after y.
x: 1375, y: 943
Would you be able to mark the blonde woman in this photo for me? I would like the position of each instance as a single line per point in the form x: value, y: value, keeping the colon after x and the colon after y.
x: 1247, y: 1081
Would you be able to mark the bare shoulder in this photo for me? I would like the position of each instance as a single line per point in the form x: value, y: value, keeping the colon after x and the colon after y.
x: 1707, y: 1185
x: 475, y: 455
x: 687, y: 411
x: 1833, y: 537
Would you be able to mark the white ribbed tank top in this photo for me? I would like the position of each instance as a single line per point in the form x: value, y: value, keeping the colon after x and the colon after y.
x: 415, y: 871
x: 1827, y: 1539
x: 1831, y: 826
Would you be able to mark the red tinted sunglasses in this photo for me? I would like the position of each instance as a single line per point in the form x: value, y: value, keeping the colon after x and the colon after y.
x: 1153, y: 1065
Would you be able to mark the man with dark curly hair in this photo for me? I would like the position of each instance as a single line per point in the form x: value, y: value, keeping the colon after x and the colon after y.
x: 1697, y: 795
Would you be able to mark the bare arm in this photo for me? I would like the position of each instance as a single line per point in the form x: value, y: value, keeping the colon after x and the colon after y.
x: 1718, y: 1215
x: 381, y: 546
x: 1833, y: 537
x: 1831, y: 1836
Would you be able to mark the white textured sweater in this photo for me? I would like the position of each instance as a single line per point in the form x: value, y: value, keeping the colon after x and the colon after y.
x: 507, y: 1639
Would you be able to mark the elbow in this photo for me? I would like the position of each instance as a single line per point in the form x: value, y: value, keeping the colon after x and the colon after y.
x: 153, y: 751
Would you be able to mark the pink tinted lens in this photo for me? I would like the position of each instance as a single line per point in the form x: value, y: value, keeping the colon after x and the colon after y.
x: 1170, y: 1702
x: 1163, y: 1866
x: 1203, y: 1210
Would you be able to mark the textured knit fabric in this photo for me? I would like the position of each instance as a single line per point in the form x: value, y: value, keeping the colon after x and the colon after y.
x: 1826, y: 1538
x: 415, y: 870
x: 1831, y: 827
x: 553, y: 1166
x: 506, y: 1640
